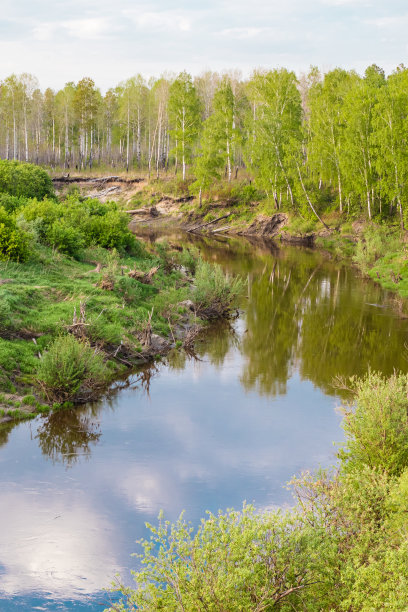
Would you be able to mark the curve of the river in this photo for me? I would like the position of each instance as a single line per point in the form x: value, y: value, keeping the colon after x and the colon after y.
x: 256, y: 407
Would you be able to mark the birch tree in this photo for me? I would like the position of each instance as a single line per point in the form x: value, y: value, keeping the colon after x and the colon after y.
x: 184, y: 114
x: 275, y: 125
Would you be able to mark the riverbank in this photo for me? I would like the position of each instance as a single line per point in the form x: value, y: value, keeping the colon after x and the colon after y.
x: 378, y: 249
x: 82, y: 302
x: 106, y: 300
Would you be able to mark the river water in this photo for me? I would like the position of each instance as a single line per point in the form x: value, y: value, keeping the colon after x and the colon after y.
x: 255, y: 408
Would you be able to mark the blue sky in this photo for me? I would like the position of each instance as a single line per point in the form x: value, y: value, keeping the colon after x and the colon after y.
x: 64, y: 40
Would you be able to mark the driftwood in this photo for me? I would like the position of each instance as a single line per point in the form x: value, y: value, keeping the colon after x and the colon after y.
x: 153, y: 212
x: 171, y: 198
x: 305, y: 239
x: 221, y: 229
x: 109, y: 190
x: 97, y: 180
x: 199, y: 227
x: 218, y: 309
x: 143, y: 277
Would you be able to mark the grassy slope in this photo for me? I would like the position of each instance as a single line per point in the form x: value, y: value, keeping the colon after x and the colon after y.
x: 38, y: 300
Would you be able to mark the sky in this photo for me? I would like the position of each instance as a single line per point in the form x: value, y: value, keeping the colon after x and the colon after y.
x: 64, y: 40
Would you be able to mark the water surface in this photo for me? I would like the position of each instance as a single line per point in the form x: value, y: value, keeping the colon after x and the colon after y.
x: 257, y: 407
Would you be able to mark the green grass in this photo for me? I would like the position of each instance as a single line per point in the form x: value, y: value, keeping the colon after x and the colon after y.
x: 39, y: 298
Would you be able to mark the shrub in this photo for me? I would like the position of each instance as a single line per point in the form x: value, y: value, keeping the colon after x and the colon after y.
x: 188, y: 258
x: 12, y: 203
x: 215, y: 293
x: 377, y: 242
x: 110, y: 230
x: 65, y: 238
x: 13, y: 241
x: 26, y: 180
x: 41, y: 215
x: 71, y: 370
x: 236, y: 561
x: 302, y: 226
x: 377, y: 429
x: 73, y: 224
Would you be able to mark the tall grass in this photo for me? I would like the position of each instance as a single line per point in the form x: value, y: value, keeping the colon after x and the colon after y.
x: 71, y: 370
x: 215, y: 294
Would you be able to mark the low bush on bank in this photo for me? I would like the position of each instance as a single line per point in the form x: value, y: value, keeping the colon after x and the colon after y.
x: 71, y: 370
x: 343, y: 547
x: 215, y: 294
x: 19, y: 179
x: 73, y: 224
x: 13, y: 242
x: 377, y: 241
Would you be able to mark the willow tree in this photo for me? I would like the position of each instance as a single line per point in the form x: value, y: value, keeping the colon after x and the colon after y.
x: 275, y: 128
x: 185, y: 119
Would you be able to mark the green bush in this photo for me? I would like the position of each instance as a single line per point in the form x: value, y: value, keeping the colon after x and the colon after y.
x: 40, y: 215
x: 236, y: 561
x: 377, y: 430
x: 24, y: 180
x: 12, y: 203
x: 75, y: 223
x: 71, y: 370
x: 215, y: 293
x: 189, y: 258
x: 13, y: 241
x: 110, y: 230
x: 377, y: 241
x: 65, y: 238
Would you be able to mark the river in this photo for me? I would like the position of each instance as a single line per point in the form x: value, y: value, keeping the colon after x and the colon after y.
x: 255, y: 407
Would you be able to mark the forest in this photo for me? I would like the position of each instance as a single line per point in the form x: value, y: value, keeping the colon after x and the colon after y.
x: 318, y: 142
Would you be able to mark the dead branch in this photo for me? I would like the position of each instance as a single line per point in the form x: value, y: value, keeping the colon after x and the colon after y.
x: 197, y: 227
x: 190, y: 338
x: 144, y: 277
x: 145, y: 336
x: 79, y: 324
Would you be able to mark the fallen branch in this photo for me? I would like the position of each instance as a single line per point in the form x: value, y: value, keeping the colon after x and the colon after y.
x: 221, y: 229
x: 190, y: 338
x: 194, y: 229
x: 143, y: 277
x: 92, y: 179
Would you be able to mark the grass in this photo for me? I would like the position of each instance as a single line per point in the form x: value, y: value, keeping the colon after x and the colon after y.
x: 39, y: 298
x: 215, y: 294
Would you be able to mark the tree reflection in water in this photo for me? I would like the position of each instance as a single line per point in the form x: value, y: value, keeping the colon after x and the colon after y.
x: 68, y: 435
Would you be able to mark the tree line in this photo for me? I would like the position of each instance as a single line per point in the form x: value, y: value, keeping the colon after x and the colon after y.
x: 335, y: 140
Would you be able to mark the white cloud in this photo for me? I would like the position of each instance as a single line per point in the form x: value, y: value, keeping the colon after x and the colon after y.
x: 355, y: 3
x: 87, y: 29
x: 44, y: 31
x: 388, y: 22
x: 161, y: 20
x: 240, y: 33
